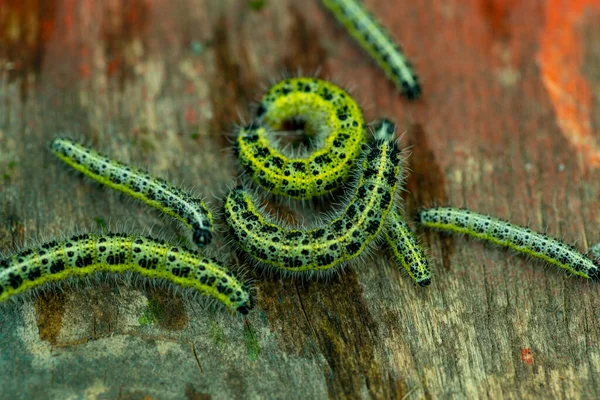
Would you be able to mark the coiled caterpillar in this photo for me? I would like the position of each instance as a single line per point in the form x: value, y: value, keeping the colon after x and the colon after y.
x: 155, y: 192
x: 518, y: 238
x: 344, y: 238
x: 308, y: 177
x: 87, y: 254
x: 406, y: 248
x: 373, y: 38
x: 327, y: 111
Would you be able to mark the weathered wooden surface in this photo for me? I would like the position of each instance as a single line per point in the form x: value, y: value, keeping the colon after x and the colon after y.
x: 508, y: 124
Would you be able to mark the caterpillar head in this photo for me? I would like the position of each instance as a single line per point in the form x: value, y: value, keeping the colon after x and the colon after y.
x: 425, y: 282
x: 202, y: 237
x: 245, y: 308
x: 384, y: 130
x: 248, y: 303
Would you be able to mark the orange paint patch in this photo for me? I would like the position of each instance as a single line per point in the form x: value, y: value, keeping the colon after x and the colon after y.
x: 527, y: 356
x: 560, y: 60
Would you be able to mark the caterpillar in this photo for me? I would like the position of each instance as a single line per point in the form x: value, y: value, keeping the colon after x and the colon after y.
x: 329, y: 113
x: 406, y: 249
x: 502, y: 233
x: 344, y: 238
x: 155, y: 192
x: 376, y: 41
x: 86, y: 254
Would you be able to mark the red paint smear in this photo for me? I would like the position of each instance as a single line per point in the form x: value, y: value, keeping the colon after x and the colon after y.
x: 527, y: 356
x: 46, y: 30
x: 190, y: 88
x: 25, y: 27
x: 113, y: 66
x: 69, y: 15
x: 136, y: 13
x: 496, y: 13
x: 560, y: 58
x: 85, y: 70
x: 191, y: 116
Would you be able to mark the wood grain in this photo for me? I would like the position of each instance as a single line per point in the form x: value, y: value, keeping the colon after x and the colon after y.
x: 508, y: 124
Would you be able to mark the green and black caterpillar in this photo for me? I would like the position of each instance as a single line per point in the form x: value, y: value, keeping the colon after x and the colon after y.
x: 118, y: 253
x: 156, y: 192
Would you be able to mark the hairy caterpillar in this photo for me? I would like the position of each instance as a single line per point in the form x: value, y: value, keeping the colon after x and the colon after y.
x: 156, y: 192
x: 329, y: 112
x: 504, y: 234
x: 342, y: 239
x: 373, y: 38
x: 406, y: 248
x: 86, y: 254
